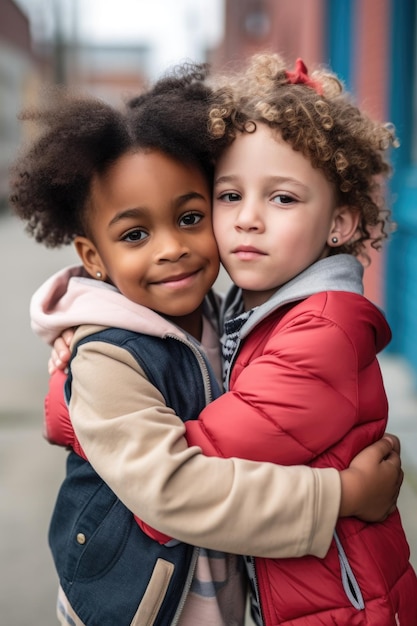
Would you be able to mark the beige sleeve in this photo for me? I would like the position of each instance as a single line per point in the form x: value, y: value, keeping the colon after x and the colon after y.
x: 137, y: 445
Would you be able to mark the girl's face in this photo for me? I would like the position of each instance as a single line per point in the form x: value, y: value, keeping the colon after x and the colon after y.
x: 273, y: 213
x: 151, y: 232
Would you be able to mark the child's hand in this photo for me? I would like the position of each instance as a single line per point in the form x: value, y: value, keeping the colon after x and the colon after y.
x: 371, y: 484
x: 61, y: 353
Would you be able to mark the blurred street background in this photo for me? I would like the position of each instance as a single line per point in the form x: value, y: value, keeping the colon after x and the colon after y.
x: 111, y: 49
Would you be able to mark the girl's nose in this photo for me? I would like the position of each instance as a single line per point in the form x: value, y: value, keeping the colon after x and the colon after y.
x: 171, y: 247
x: 249, y: 217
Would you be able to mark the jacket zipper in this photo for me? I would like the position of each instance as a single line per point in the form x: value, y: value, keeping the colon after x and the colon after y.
x: 208, y: 398
x: 187, y: 586
x: 202, y: 364
x: 250, y: 561
x: 251, y: 566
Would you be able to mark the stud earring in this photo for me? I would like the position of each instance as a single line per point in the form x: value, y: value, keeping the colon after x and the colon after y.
x: 99, y: 275
x: 335, y: 240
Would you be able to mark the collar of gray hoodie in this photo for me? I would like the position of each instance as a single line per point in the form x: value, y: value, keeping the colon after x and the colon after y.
x: 340, y: 272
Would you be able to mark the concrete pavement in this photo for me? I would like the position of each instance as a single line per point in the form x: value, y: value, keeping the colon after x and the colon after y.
x: 31, y: 470
x: 402, y: 395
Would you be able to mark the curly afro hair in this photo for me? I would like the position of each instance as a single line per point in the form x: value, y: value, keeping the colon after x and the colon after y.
x: 318, y: 118
x: 80, y: 137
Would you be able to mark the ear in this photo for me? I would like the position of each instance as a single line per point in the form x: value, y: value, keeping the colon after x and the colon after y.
x: 344, y: 226
x: 90, y: 257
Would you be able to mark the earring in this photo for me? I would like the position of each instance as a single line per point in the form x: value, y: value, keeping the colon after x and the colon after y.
x: 99, y: 275
x: 335, y: 240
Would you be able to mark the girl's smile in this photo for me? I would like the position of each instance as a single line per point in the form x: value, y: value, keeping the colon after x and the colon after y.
x: 179, y: 281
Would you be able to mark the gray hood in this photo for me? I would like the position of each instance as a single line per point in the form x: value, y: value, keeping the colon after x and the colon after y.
x: 341, y: 272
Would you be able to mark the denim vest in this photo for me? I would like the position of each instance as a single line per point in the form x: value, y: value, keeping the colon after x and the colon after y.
x: 103, y: 559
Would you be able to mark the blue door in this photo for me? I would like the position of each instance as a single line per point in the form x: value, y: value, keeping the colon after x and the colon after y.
x: 401, y: 259
x: 401, y: 252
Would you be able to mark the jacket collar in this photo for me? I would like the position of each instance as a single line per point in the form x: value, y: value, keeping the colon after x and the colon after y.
x: 340, y: 272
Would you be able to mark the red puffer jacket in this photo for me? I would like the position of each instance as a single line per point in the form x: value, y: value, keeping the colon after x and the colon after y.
x: 306, y: 388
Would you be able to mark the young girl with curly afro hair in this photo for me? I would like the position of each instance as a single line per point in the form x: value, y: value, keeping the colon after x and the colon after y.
x: 298, y: 195
x: 131, y: 188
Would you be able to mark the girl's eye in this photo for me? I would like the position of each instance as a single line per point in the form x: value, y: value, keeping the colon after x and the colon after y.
x: 230, y: 196
x: 133, y: 236
x: 190, y: 219
x: 283, y: 198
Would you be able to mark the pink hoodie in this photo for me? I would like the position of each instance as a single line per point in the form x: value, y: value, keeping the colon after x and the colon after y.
x: 69, y: 298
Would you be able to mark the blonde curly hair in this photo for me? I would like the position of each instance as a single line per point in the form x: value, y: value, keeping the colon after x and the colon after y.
x: 317, y: 117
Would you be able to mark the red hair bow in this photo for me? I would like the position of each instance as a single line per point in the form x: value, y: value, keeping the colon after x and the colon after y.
x: 300, y: 76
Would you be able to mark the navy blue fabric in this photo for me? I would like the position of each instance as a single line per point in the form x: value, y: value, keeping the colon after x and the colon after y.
x: 105, y: 578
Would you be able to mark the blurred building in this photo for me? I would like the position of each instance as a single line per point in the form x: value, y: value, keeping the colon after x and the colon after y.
x: 372, y: 46
x: 106, y: 70
x: 19, y: 77
x: 293, y: 27
x: 109, y: 72
x: 27, y: 65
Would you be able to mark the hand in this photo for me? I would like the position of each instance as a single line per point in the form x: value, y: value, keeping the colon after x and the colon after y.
x: 371, y: 483
x: 61, y: 353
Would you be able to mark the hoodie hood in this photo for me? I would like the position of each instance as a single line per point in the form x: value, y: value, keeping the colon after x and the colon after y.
x: 341, y: 272
x: 71, y: 298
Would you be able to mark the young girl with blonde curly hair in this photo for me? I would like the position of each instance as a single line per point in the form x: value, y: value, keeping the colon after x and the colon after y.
x: 298, y: 197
